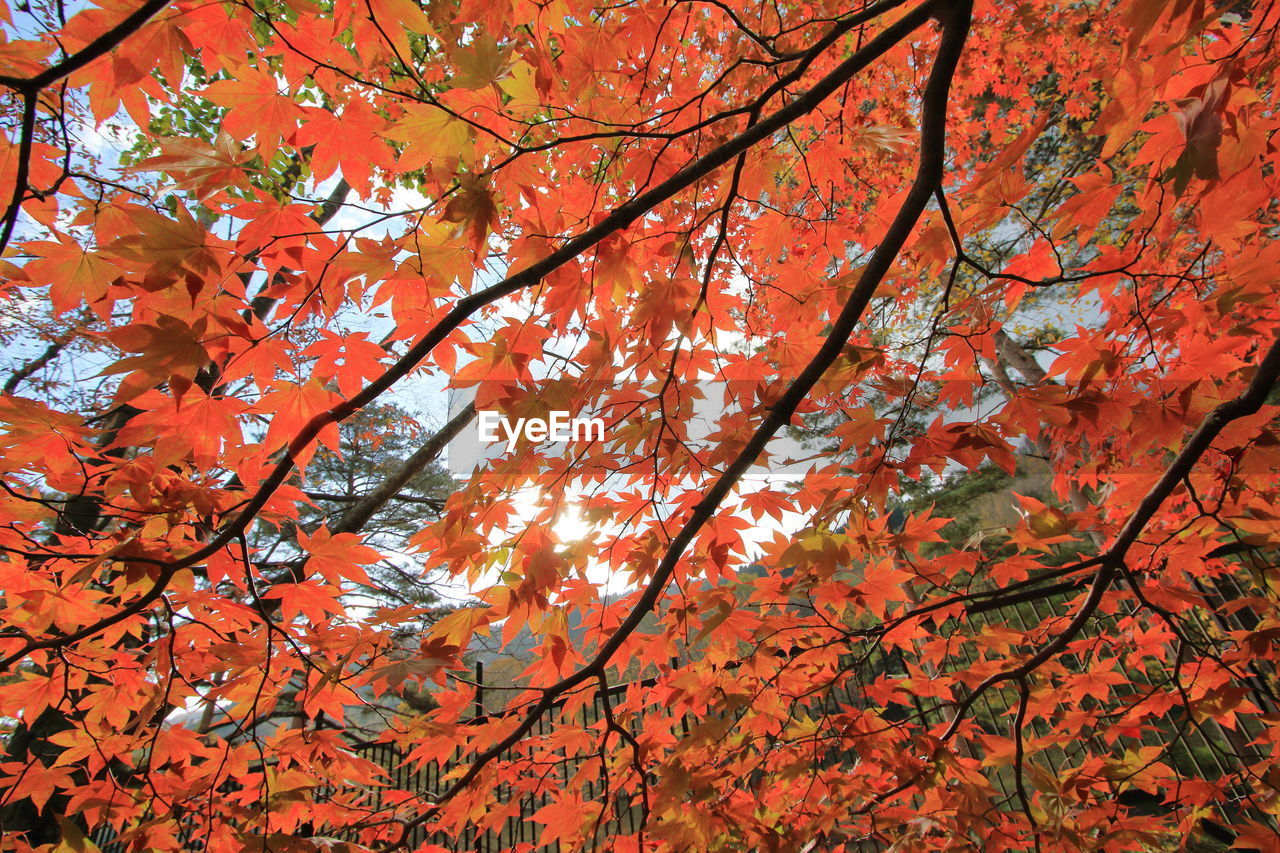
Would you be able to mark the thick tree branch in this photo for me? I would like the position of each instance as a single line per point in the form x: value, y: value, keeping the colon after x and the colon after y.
x: 357, y: 516
x: 621, y: 216
x: 96, y: 48
x: 29, y: 89
x: 1265, y: 378
x: 36, y: 364
x: 955, y: 24
x: 1248, y: 403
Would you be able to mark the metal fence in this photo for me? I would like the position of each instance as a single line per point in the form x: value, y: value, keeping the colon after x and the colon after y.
x: 1204, y: 751
x: 621, y: 815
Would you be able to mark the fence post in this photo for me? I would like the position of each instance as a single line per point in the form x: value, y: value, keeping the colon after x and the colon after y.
x: 479, y: 689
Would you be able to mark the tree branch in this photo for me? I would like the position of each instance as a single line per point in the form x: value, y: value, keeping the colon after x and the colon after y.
x: 955, y: 26
x: 356, y: 517
x: 96, y: 48
x: 621, y: 216
x: 36, y: 364
x: 1250, y: 402
x: 30, y: 87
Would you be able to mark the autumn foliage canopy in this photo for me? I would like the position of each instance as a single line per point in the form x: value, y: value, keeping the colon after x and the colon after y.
x: 930, y: 244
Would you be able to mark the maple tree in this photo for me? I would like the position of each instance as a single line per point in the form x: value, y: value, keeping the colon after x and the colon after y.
x: 944, y: 236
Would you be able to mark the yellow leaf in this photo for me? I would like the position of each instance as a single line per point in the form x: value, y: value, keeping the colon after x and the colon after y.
x: 520, y: 85
x: 434, y: 138
x: 73, y: 840
x: 480, y: 63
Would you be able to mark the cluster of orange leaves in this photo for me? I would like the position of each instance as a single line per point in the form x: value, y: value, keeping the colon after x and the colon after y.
x: 533, y: 202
